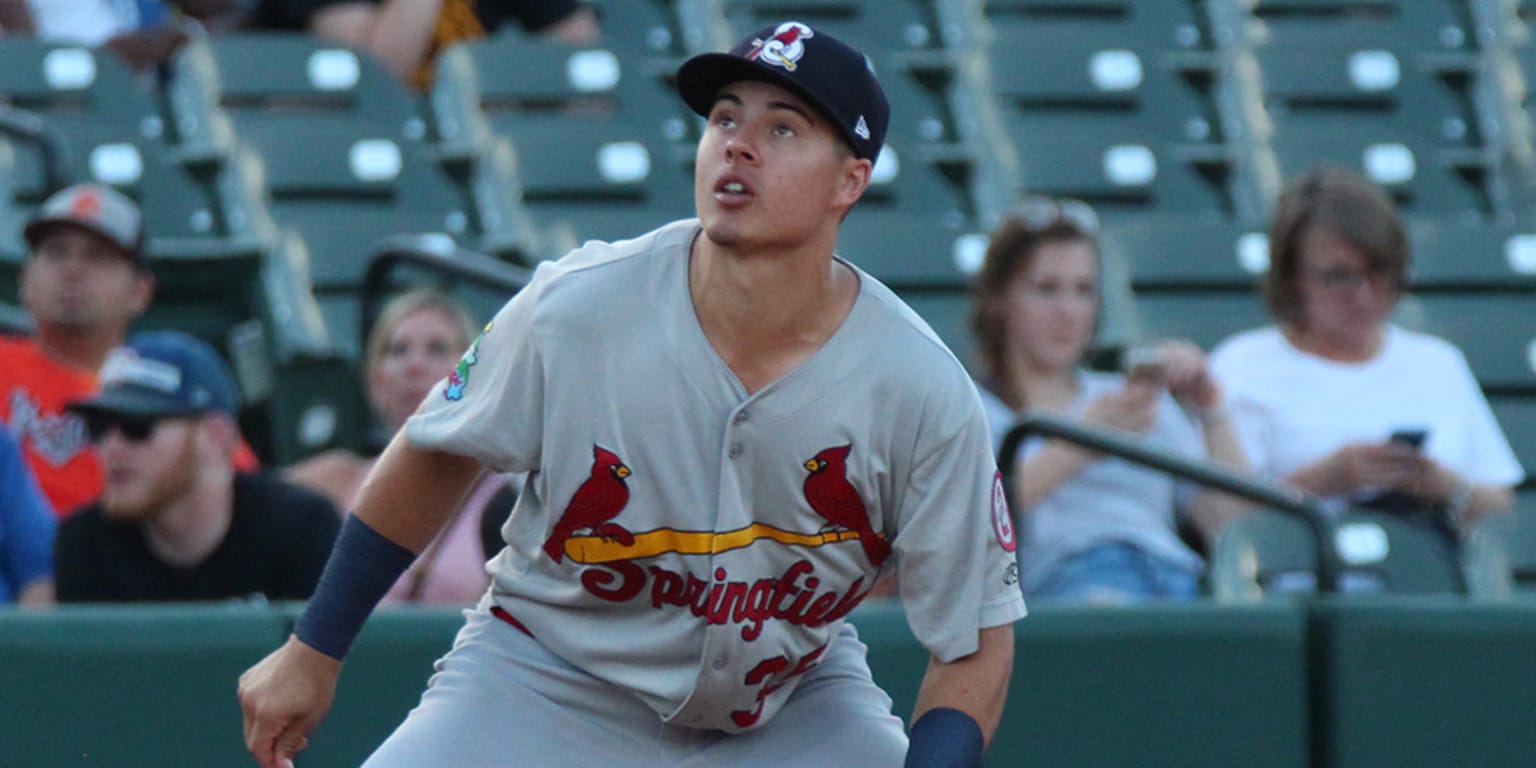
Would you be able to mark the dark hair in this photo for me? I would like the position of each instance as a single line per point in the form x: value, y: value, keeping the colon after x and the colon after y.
x: 1012, y: 248
x: 1340, y: 202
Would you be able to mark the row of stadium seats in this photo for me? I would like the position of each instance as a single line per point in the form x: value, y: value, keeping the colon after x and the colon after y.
x: 1177, y: 121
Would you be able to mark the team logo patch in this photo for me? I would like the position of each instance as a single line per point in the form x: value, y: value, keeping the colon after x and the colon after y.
x: 1002, y: 519
x: 459, y: 379
x: 786, y: 46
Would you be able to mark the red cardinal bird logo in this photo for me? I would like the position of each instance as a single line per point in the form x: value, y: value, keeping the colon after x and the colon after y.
x: 831, y: 495
x: 599, y: 499
x: 785, y: 47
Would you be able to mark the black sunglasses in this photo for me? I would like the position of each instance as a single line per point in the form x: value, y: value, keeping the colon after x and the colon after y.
x: 136, y: 429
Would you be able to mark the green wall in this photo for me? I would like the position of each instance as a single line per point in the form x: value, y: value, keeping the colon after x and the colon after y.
x: 1356, y: 683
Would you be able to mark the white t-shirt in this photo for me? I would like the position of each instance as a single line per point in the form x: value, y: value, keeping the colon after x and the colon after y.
x: 1291, y: 408
x: 676, y: 533
x: 1109, y: 500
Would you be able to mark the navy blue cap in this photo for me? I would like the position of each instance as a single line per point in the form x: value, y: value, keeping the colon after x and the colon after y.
x: 163, y: 373
x: 833, y: 76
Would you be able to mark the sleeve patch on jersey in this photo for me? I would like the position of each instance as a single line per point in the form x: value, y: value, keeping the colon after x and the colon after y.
x: 1002, y: 519
x: 459, y: 379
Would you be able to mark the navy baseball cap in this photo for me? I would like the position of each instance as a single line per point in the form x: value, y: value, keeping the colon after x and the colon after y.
x: 162, y: 373
x: 831, y: 75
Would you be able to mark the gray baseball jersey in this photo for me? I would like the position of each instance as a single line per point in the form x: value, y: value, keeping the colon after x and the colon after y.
x: 697, y: 545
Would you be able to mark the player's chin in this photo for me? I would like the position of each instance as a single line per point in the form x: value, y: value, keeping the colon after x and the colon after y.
x: 725, y: 233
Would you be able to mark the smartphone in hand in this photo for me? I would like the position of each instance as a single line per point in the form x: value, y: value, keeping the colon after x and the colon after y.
x: 1410, y: 437
x: 1144, y: 364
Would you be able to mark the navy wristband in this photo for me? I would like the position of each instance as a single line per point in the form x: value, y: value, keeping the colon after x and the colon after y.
x: 945, y: 737
x: 363, y: 566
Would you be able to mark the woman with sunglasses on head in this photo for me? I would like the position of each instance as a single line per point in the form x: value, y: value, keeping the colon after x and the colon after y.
x: 1093, y: 529
x: 1340, y: 402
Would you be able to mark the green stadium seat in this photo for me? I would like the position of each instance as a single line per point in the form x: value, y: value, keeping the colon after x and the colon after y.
x: 908, y: 252
x: 252, y: 301
x: 1421, y: 25
x: 655, y: 30
x: 1264, y: 554
x: 33, y: 158
x: 1493, y: 330
x: 1258, y: 554
x: 1501, y: 552
x: 1387, y: 88
x: 1516, y: 413
x: 1118, y: 103
x: 1204, y: 317
x: 248, y: 77
x: 1176, y: 253
x: 598, y: 144
x: 1475, y: 254
x: 92, y: 119
x: 482, y: 284
x: 91, y: 96
x: 364, y: 134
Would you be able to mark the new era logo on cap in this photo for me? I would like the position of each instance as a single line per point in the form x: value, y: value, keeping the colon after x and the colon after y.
x: 861, y: 128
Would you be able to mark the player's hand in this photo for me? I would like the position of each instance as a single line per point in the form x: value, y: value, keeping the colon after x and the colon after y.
x: 284, y: 697
x: 1385, y: 465
x: 1132, y: 409
x: 1187, y: 375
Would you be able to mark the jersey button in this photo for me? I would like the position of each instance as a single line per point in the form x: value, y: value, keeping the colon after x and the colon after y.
x: 736, y: 450
x: 741, y: 417
x: 720, y: 661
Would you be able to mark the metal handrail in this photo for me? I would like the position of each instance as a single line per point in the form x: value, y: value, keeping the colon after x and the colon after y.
x: 1284, y: 499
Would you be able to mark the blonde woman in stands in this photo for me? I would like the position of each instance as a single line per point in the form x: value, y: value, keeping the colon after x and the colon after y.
x: 1092, y: 528
x: 1342, y: 403
x: 415, y: 342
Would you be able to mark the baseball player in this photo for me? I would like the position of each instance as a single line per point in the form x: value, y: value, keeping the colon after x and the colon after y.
x: 730, y: 433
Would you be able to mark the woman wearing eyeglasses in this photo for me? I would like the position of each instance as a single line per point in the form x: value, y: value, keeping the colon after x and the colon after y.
x: 1339, y: 401
x: 1094, y: 529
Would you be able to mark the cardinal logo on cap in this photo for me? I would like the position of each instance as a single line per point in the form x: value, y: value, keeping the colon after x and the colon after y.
x: 785, y: 47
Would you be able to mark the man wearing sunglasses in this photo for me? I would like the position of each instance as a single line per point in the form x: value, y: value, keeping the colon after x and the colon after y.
x: 176, y: 521
x: 85, y: 281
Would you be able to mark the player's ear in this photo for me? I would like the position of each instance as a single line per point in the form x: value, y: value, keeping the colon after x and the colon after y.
x: 853, y: 179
